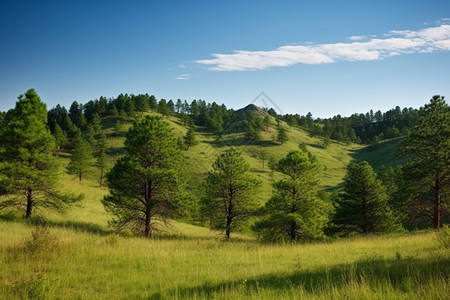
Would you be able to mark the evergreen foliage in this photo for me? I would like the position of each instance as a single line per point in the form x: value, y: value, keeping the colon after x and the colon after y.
x: 282, y: 136
x: 230, y: 191
x: 144, y: 183
x: 28, y: 169
x: 295, y: 211
x: 428, y: 148
x: 190, y: 138
x: 81, y: 159
x: 363, y: 205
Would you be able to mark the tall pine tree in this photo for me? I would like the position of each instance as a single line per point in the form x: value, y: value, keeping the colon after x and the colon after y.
x: 144, y: 183
x: 28, y: 169
x: 363, y: 205
x: 231, y: 191
x: 428, y: 147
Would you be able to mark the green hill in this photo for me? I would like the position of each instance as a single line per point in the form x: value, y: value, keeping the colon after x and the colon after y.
x: 79, y: 256
x: 333, y: 158
x: 198, y: 159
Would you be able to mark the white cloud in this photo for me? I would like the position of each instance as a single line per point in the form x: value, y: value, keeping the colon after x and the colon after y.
x: 183, y: 77
x: 358, y: 37
x: 397, y: 42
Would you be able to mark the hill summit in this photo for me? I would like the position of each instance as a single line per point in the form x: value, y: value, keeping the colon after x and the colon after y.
x: 251, y: 108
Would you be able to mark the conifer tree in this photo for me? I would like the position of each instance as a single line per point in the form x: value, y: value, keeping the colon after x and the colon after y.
x: 363, y: 205
x: 144, y: 183
x: 81, y: 159
x: 282, y: 136
x: 295, y: 211
x: 60, y: 138
x: 231, y: 191
x: 190, y: 138
x: 428, y: 147
x: 28, y: 169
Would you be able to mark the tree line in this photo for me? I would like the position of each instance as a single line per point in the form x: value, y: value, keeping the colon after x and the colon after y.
x: 369, y: 128
x: 149, y: 183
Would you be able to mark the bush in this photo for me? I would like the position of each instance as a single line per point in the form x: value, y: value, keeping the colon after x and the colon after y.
x: 41, y: 241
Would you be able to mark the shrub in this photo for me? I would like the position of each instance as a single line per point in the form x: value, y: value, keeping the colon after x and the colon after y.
x: 41, y: 241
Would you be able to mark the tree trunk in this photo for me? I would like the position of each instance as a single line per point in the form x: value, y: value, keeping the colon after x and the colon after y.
x: 364, y: 215
x: 228, y: 228
x: 437, y: 205
x: 293, y: 230
x: 148, y: 224
x: 29, y: 203
x: 79, y: 175
x: 148, y: 209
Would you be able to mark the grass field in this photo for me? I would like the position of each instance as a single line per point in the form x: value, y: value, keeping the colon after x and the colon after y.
x: 192, y: 262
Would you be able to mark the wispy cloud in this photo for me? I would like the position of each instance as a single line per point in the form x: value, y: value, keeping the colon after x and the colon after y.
x: 183, y: 77
x: 358, y: 37
x: 394, y: 43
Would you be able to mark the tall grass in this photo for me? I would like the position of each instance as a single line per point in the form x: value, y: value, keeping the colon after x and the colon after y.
x: 192, y: 262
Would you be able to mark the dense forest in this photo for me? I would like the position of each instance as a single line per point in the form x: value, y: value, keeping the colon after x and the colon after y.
x: 150, y: 182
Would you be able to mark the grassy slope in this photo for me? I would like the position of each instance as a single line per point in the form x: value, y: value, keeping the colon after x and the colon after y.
x: 194, y: 263
x: 88, y: 261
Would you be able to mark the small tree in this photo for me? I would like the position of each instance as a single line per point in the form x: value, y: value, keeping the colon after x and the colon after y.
x: 81, y: 159
x: 282, y: 136
x: 144, y: 183
x: 295, y: 211
x: 363, y: 205
x: 60, y: 138
x: 162, y: 108
x: 28, y: 168
x: 100, y: 153
x: 230, y: 191
x: 102, y: 164
x: 190, y: 138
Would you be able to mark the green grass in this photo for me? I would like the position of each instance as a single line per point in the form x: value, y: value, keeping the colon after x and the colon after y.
x: 192, y: 262
x: 383, y: 154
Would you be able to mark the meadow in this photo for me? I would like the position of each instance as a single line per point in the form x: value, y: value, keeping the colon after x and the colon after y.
x: 190, y: 262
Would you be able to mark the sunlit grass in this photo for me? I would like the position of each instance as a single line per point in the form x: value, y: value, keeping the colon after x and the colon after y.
x: 192, y: 262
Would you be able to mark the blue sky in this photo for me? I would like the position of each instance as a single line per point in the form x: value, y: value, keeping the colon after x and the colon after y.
x: 323, y: 57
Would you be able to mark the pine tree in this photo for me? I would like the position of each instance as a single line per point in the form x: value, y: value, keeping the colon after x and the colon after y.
x: 428, y: 148
x: 144, y: 183
x: 101, y: 158
x: 162, y: 108
x: 230, y: 190
x: 28, y: 169
x: 295, y: 211
x: 190, y: 138
x: 101, y: 163
x: 81, y: 159
x: 282, y: 136
x: 60, y: 138
x: 363, y: 205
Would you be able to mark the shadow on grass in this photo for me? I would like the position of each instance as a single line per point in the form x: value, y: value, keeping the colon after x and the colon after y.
x: 383, y: 154
x: 239, y: 141
x: 76, y: 226
x: 405, y: 275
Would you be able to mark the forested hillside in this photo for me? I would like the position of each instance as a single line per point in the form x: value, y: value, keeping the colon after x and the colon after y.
x: 92, y: 138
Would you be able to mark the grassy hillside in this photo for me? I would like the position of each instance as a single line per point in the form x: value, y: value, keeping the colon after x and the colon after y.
x: 193, y: 263
x: 77, y: 256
